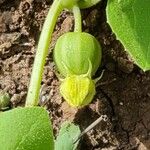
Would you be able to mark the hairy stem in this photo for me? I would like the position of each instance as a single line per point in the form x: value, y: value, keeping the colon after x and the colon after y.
x: 42, y: 51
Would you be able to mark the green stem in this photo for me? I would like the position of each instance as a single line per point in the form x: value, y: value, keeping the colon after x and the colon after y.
x: 77, y: 17
x: 42, y: 51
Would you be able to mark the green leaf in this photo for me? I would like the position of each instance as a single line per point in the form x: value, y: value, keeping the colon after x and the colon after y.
x: 87, y: 3
x: 130, y: 21
x: 67, y: 135
x: 26, y: 129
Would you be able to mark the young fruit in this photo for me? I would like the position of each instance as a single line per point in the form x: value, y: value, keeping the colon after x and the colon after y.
x: 74, y: 50
x: 80, y: 3
x: 77, y: 56
x: 69, y: 4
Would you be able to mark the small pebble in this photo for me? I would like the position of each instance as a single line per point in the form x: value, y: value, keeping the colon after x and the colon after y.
x: 121, y: 103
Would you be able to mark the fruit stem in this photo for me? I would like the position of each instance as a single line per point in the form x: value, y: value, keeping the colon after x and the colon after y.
x: 42, y: 51
x: 77, y: 18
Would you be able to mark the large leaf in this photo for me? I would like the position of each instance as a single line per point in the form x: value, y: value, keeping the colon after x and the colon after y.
x: 26, y: 129
x: 130, y: 21
x: 67, y: 135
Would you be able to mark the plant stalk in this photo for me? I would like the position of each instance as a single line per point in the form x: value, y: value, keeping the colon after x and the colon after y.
x: 42, y: 51
x: 77, y: 18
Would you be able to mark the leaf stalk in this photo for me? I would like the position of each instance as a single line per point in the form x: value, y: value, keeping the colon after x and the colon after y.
x: 42, y: 51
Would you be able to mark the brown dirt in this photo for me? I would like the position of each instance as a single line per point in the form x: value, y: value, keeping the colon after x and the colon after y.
x: 123, y: 93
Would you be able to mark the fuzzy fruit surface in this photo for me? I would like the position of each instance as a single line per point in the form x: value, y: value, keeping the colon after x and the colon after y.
x: 74, y: 51
x: 69, y: 3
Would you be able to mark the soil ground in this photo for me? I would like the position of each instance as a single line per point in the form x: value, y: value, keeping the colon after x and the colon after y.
x: 123, y: 93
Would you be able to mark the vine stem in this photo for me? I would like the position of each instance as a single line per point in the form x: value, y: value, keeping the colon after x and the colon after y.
x: 42, y: 51
x: 77, y: 17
